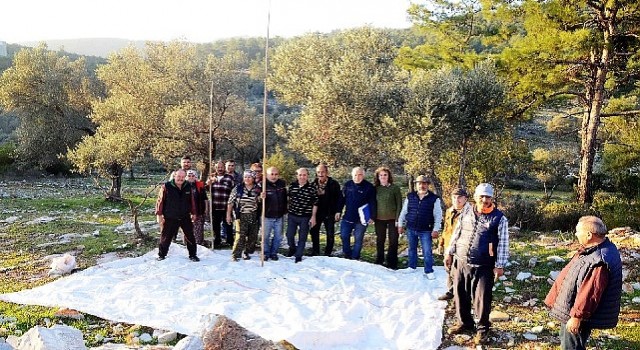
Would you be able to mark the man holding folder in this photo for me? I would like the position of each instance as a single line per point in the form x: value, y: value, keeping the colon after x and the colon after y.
x: 359, y: 201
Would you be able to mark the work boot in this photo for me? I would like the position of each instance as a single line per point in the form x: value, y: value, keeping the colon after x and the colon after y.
x: 459, y: 329
x: 446, y: 296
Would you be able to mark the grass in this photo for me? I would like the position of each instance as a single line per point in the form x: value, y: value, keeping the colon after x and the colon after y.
x: 80, y: 209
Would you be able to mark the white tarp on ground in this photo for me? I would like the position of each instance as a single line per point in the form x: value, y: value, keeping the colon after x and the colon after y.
x: 320, y: 303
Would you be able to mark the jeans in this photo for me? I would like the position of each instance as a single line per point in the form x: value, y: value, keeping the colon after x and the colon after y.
x: 293, y: 222
x: 425, y: 241
x: 358, y: 229
x: 570, y: 341
x: 272, y: 242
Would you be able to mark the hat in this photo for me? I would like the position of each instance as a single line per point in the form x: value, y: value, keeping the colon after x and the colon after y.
x: 192, y: 172
x: 483, y: 189
x: 249, y: 173
x: 422, y: 178
x: 459, y: 192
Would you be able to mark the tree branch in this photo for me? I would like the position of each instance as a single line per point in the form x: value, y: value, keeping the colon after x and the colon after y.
x: 619, y: 114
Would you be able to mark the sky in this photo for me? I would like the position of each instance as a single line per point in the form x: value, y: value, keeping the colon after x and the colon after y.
x: 320, y: 303
x: 191, y: 20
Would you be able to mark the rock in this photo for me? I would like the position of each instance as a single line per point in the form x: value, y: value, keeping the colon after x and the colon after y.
x: 58, y: 337
x: 189, y: 343
x: 228, y: 334
x: 41, y: 220
x: 554, y: 274
x: 498, y: 316
x: 625, y: 274
x: 530, y: 336
x: 62, y: 265
x: 555, y: 259
x: 636, y: 286
x: 627, y: 288
x: 507, y: 299
x: 530, y: 302
x: 621, y: 231
x: 636, y: 300
x: 10, y: 220
x: 532, y: 262
x: 537, y: 329
x: 167, y: 337
x: 509, y: 290
x: 523, y: 276
x: 69, y: 313
x: 145, y: 338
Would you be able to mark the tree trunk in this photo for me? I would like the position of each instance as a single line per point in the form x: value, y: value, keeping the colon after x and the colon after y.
x: 462, y: 182
x: 115, y: 170
x: 591, y: 122
x: 131, y: 176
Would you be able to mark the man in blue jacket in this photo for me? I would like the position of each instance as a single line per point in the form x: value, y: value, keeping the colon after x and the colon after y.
x: 359, y: 201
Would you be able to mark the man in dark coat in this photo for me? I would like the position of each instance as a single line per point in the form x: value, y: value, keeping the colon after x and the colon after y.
x: 586, y: 293
x: 329, y: 196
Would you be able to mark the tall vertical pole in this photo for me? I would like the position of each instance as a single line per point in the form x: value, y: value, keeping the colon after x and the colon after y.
x: 264, y: 131
x: 213, y: 235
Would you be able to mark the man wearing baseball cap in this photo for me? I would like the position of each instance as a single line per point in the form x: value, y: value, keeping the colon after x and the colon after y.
x: 480, y: 243
x: 421, y: 215
x: 459, y: 199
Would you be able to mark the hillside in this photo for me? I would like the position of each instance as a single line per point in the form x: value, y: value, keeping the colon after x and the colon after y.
x: 100, y: 47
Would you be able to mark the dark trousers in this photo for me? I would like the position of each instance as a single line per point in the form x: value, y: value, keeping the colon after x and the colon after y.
x: 298, y: 224
x: 386, y: 228
x: 329, y: 222
x: 220, y: 222
x: 473, y: 283
x: 170, y: 229
x: 570, y: 341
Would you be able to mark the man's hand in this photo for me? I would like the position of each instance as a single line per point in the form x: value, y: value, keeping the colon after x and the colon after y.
x: 312, y: 221
x: 434, y: 234
x: 193, y: 218
x: 229, y: 220
x: 337, y: 217
x: 160, y: 219
x: 400, y: 230
x: 448, y: 259
x: 573, y: 325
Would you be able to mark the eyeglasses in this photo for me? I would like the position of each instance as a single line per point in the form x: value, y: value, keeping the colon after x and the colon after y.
x: 275, y: 174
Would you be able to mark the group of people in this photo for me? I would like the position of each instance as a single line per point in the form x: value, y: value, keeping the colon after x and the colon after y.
x: 475, y: 236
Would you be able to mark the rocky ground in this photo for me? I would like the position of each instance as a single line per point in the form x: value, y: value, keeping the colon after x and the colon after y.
x: 42, y: 220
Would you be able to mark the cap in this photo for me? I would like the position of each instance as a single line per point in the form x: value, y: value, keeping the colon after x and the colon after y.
x: 459, y: 192
x: 192, y: 172
x: 483, y: 189
x: 422, y: 178
x: 249, y: 173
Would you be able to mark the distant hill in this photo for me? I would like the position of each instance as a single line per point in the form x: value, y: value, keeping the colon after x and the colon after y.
x: 100, y: 47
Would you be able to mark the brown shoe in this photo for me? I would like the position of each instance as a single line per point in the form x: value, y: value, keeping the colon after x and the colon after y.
x: 459, y: 329
x: 446, y: 296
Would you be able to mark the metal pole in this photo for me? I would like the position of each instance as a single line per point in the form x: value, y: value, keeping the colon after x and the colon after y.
x: 264, y: 130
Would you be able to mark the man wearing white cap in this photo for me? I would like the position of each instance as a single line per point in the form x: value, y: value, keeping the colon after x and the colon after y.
x: 480, y: 243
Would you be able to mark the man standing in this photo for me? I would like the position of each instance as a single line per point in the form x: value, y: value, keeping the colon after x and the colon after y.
x: 176, y: 208
x: 221, y: 186
x: 358, y: 197
x: 422, y: 216
x: 458, y: 201
x: 480, y: 243
x: 230, y: 168
x: 303, y: 206
x: 275, y: 201
x: 328, y: 209
x: 586, y: 293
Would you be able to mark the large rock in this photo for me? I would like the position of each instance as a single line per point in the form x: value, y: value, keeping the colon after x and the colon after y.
x: 58, y: 337
x: 228, y: 334
x: 498, y: 316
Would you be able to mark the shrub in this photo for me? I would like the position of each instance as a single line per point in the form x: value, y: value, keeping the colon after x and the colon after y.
x: 617, y: 211
x: 286, y: 164
x: 562, y: 216
x: 522, y: 212
x: 6, y: 156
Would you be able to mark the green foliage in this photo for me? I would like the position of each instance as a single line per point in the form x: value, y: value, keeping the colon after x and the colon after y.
x: 7, y: 154
x: 521, y: 211
x: 552, y: 166
x: 285, y: 163
x: 562, y: 216
x: 617, y: 210
x: 563, y: 125
x: 349, y: 91
x: 622, y: 154
x: 51, y: 95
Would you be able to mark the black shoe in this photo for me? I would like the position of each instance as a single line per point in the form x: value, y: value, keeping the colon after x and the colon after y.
x: 446, y: 296
x: 459, y: 328
x: 274, y: 257
x: 298, y: 259
x: 160, y: 258
x: 246, y: 256
x: 290, y: 253
x: 194, y: 258
x: 235, y: 259
x: 481, y: 337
